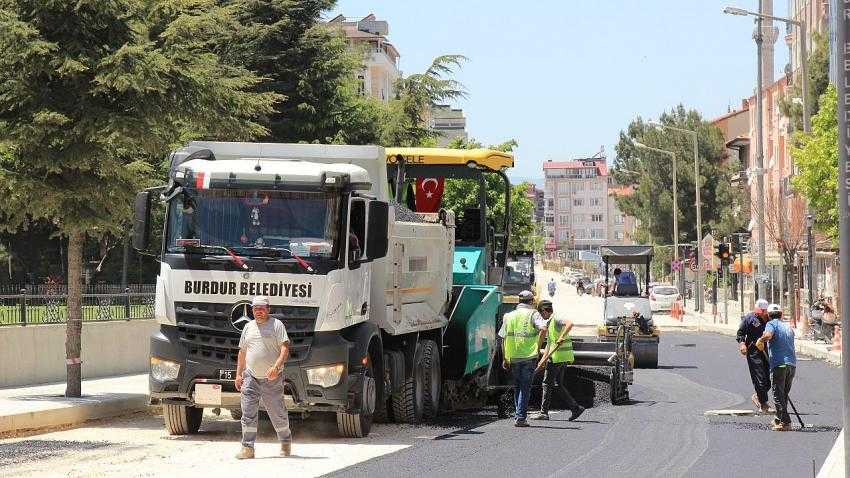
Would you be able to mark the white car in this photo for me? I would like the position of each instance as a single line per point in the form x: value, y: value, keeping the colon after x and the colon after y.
x: 663, y: 297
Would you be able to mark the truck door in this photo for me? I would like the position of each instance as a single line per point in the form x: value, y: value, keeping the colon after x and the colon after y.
x: 357, y: 287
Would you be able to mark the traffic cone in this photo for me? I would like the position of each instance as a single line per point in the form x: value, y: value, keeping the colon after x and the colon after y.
x: 836, y: 339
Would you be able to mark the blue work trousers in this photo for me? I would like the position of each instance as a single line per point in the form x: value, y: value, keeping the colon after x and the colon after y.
x: 523, y: 372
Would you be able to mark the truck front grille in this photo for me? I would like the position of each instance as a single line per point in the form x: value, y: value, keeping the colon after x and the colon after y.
x: 206, y: 331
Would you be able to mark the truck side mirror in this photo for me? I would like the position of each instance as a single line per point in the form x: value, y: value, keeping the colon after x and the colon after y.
x: 141, y: 221
x: 377, y: 238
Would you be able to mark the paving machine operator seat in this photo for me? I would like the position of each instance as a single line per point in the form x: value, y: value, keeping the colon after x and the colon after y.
x: 469, y: 227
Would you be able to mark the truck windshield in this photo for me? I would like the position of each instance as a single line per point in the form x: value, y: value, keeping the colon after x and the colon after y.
x: 254, y: 222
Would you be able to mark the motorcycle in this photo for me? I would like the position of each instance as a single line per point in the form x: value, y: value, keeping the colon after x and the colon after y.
x: 822, y: 320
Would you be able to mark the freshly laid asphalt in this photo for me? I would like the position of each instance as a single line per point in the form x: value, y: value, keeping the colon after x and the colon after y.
x: 663, y: 432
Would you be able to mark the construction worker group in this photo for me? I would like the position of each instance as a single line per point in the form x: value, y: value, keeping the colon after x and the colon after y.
x: 524, y: 332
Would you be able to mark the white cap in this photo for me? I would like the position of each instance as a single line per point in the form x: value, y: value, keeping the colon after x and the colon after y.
x: 260, y: 300
x: 773, y: 308
x: 761, y: 304
x: 526, y: 295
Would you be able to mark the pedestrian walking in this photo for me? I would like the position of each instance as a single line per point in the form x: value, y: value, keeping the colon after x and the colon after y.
x: 552, y: 286
x: 779, y: 337
x: 263, y: 350
x: 560, y: 347
x: 750, y: 330
x: 522, y: 334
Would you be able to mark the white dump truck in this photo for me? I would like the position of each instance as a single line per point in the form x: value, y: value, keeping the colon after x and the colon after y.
x: 363, y: 285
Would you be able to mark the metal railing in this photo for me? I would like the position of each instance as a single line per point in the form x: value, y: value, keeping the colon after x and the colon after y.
x: 47, y: 304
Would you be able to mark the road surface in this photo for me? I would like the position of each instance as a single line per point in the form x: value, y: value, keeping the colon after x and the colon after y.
x: 663, y: 432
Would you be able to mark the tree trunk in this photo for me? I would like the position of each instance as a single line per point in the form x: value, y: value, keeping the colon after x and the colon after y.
x: 74, y: 325
x: 791, y: 280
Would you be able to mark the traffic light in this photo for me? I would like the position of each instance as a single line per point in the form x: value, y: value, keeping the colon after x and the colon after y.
x: 723, y: 251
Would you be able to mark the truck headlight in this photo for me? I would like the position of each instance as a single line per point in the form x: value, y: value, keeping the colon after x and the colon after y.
x: 325, y: 376
x: 164, y: 370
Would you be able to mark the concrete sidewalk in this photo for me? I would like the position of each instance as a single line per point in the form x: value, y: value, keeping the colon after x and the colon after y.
x: 44, y: 406
x: 708, y: 323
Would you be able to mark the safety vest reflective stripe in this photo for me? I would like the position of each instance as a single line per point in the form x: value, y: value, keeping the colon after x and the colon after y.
x: 520, y: 335
x: 565, y: 351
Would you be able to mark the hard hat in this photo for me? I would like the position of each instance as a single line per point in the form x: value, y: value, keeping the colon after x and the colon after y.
x: 526, y: 295
x: 774, y: 311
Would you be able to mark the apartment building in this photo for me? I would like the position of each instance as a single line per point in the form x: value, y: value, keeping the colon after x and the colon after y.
x: 621, y: 227
x: 576, y: 203
x: 380, y: 63
x: 448, y: 122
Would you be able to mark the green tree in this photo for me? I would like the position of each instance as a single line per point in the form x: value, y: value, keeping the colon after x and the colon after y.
x: 818, y: 70
x: 816, y: 155
x: 89, y: 91
x: 307, y: 62
x: 460, y: 194
x: 403, y: 120
x: 723, y: 206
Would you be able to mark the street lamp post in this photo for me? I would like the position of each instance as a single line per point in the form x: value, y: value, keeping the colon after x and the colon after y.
x: 807, y: 125
x: 675, y: 201
x: 698, y: 282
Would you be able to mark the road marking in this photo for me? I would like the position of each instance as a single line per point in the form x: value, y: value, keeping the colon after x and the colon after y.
x: 732, y: 412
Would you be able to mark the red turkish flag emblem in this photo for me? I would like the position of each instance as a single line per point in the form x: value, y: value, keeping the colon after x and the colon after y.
x: 429, y: 193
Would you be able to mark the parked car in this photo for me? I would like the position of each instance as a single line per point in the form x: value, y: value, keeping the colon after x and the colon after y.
x: 663, y: 296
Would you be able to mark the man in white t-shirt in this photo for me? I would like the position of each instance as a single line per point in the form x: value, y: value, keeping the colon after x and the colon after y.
x: 263, y: 349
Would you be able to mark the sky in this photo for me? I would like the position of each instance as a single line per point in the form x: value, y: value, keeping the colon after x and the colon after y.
x: 564, y: 77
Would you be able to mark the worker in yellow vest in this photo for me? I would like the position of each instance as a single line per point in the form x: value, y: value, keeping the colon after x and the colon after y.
x: 522, y: 335
x: 561, y: 346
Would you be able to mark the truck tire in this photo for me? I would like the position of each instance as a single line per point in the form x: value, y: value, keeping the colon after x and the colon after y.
x: 409, y: 402
x: 182, y: 420
x: 432, y: 373
x: 358, y: 425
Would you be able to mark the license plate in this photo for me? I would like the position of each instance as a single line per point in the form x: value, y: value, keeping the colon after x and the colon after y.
x: 208, y: 393
x: 227, y: 374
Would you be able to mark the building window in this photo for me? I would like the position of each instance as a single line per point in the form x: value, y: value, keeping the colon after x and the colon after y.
x: 596, y: 218
x: 618, y: 235
x: 563, y: 188
x: 551, y: 203
x: 564, y: 220
x: 578, y: 202
x: 579, y: 186
x: 563, y: 203
x: 619, y: 219
x: 595, y: 201
x: 597, y: 234
x: 550, y: 219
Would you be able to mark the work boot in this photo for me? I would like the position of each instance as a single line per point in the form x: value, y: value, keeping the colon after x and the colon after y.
x: 542, y: 416
x: 285, y: 449
x: 781, y: 427
x: 521, y: 423
x: 246, y: 453
x: 576, y: 413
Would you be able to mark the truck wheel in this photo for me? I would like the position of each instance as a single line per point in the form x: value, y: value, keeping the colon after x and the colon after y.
x: 182, y: 420
x: 358, y: 425
x: 409, y: 402
x: 432, y: 373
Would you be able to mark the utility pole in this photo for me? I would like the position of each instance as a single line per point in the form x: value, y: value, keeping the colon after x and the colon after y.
x: 759, y: 38
x: 842, y: 36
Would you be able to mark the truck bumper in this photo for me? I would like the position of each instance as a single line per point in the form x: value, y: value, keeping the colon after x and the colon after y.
x: 327, y: 348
